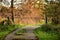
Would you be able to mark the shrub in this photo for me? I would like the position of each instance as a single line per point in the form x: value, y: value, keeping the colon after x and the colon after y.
x: 46, y: 27
x: 48, y: 32
x: 6, y: 27
x: 50, y: 28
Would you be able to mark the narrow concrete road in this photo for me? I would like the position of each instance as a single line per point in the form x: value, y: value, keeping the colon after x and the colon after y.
x: 29, y: 35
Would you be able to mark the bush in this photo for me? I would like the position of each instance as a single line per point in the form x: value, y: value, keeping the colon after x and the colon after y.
x: 50, y: 28
x: 6, y: 27
x: 48, y: 32
x: 46, y: 27
x: 3, y: 27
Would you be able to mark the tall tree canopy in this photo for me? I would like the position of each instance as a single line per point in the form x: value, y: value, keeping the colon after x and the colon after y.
x: 53, y: 11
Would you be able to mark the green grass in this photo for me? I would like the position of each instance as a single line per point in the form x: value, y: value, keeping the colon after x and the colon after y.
x: 43, y: 34
x: 7, y: 29
x: 20, y: 32
x: 3, y: 34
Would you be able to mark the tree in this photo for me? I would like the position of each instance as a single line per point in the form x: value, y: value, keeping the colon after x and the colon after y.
x: 12, y: 10
x: 52, y: 11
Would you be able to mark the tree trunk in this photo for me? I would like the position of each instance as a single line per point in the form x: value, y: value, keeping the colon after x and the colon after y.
x: 8, y: 21
x: 12, y: 10
x: 55, y: 20
x: 46, y: 21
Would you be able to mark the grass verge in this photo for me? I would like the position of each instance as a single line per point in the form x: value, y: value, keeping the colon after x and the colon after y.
x: 46, y: 34
x: 20, y: 32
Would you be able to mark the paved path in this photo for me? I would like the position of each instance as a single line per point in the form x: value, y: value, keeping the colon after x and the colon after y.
x: 11, y: 35
x: 27, y: 35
